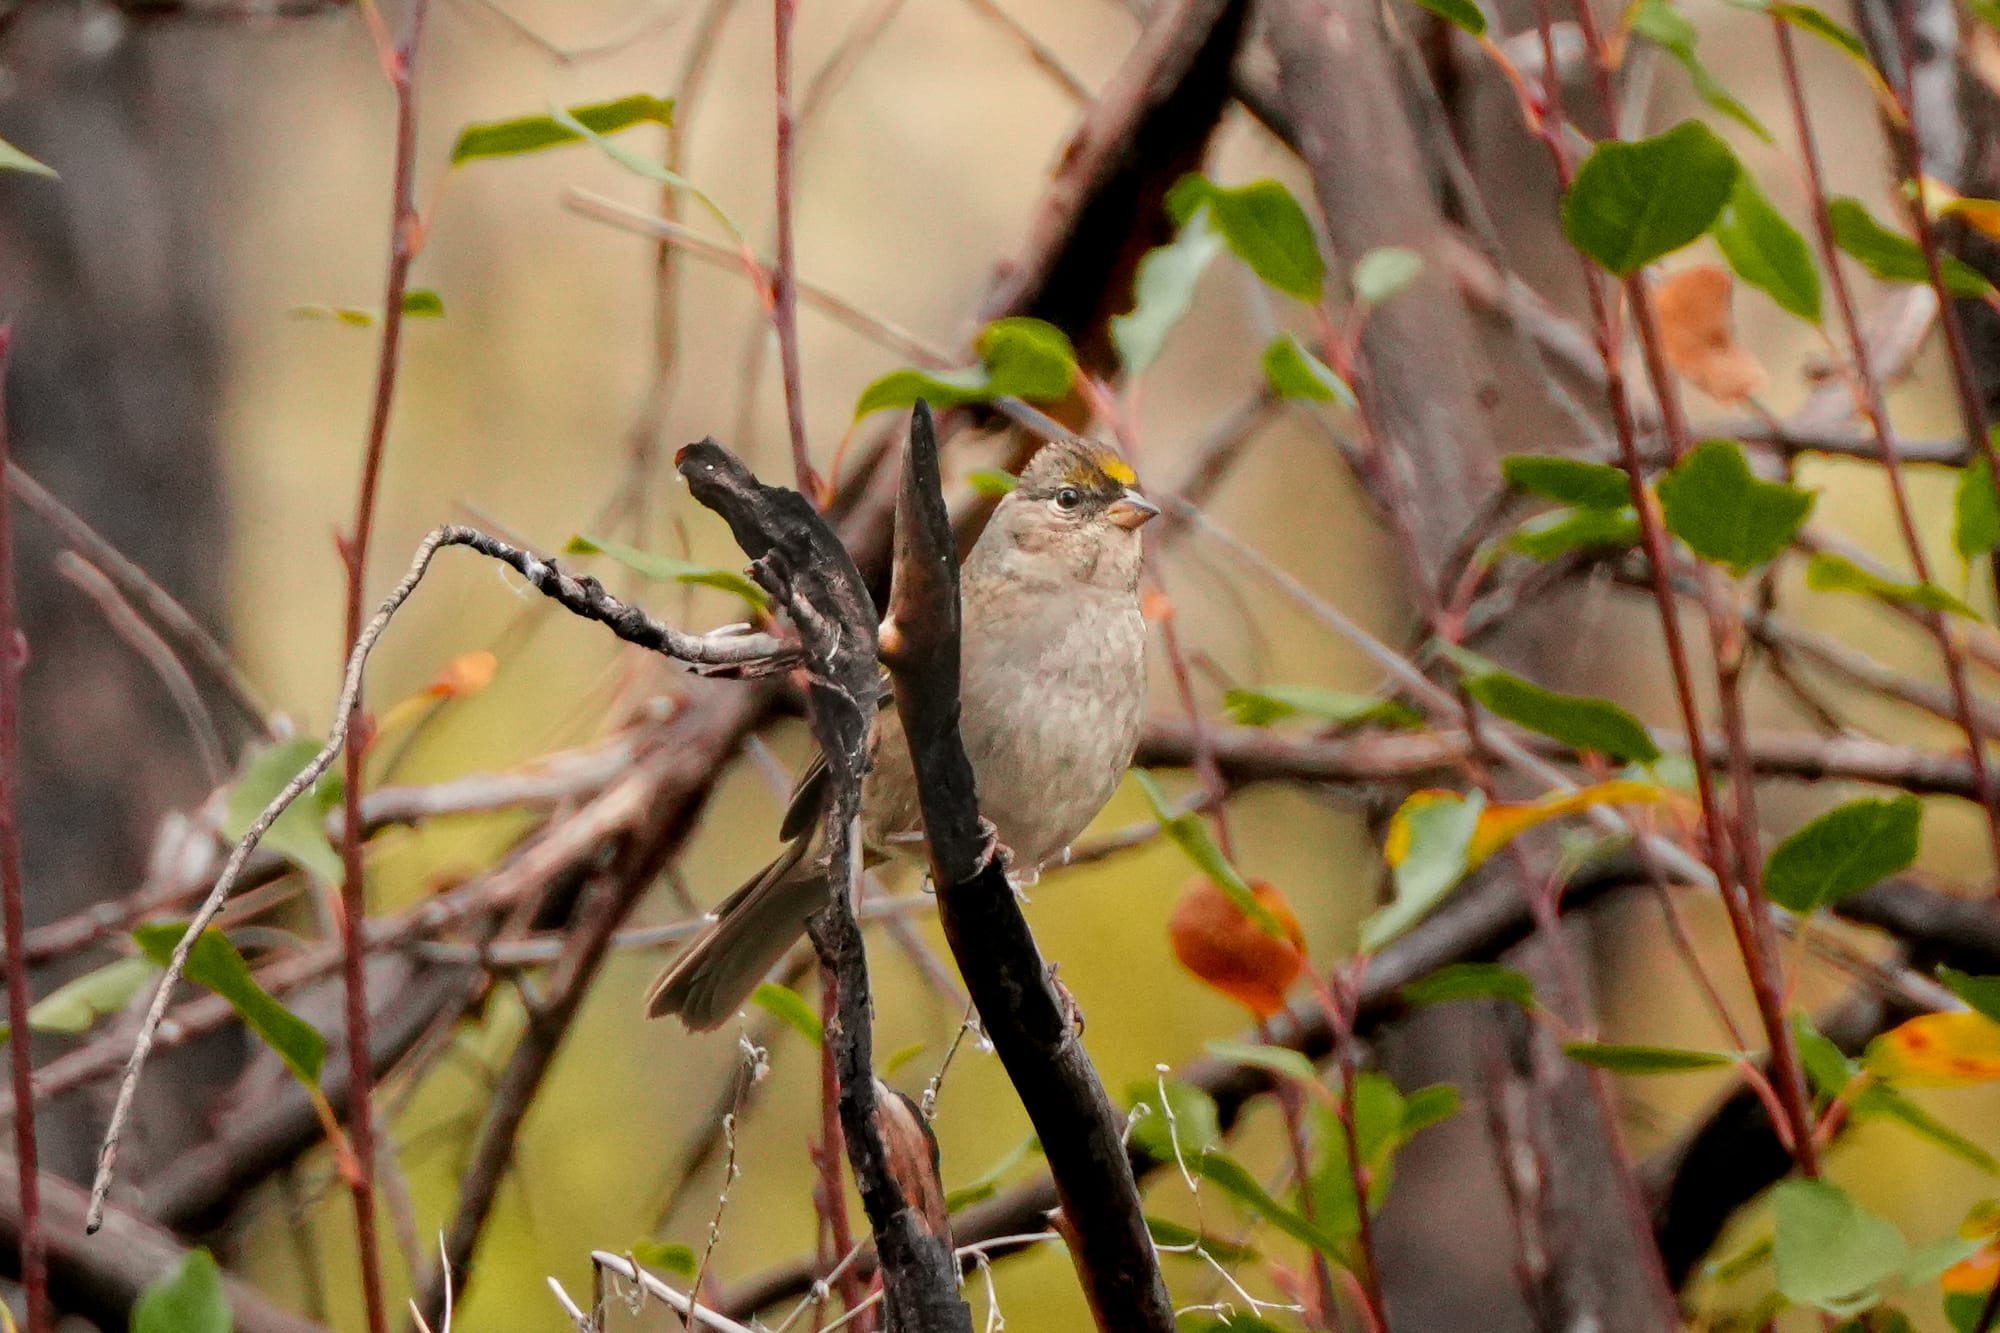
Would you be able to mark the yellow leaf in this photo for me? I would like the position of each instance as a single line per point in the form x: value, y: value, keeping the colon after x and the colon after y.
x: 1502, y: 822
x: 1938, y: 1050
x: 1396, y: 844
x: 1982, y: 215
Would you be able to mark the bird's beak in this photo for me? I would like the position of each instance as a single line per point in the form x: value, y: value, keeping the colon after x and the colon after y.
x: 1131, y: 510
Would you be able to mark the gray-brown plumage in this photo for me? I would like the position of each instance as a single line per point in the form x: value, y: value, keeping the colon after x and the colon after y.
x: 1053, y: 683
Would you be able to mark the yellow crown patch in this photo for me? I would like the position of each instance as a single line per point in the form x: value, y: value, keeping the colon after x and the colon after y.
x: 1116, y: 468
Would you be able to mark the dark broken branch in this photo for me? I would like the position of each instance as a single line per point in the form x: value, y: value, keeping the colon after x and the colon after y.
x: 1030, y: 1026
x: 800, y: 561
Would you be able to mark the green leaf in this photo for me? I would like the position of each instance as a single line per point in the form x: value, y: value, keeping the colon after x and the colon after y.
x: 1163, y: 291
x: 418, y: 303
x: 1641, y: 1060
x: 668, y: 569
x: 1807, y: 19
x: 988, y: 1185
x: 1427, y: 1106
x: 1843, y: 852
x: 215, y: 964
x: 641, y: 165
x: 13, y: 159
x: 188, y: 1300
x: 299, y: 834
x: 1927, y: 1264
x: 1879, y: 1101
x: 1671, y: 30
x: 1194, y: 1124
x: 1471, y: 981
x: 1384, y: 1123
x: 1570, y: 481
x: 782, y: 1002
x: 1962, y: 1309
x: 1563, y: 532
x: 1295, y: 372
x: 1894, y: 257
x: 991, y: 483
x: 1273, y: 703
x: 529, y: 134
x: 1633, y: 203
x: 1263, y: 225
x: 1429, y: 841
x: 665, y: 1257
x: 1726, y: 513
x: 1982, y: 994
x: 77, y: 1004
x: 1826, y: 1065
x: 354, y: 316
x: 1827, y: 572
x: 1465, y: 14
x: 1766, y: 251
x: 1580, y: 721
x: 1190, y: 833
x: 1975, y: 528
x: 1828, y: 1250
x: 1281, y: 1061
x: 1018, y: 358
x: 1386, y: 271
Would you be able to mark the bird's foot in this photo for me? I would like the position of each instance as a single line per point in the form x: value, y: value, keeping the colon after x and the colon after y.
x: 1072, y: 1011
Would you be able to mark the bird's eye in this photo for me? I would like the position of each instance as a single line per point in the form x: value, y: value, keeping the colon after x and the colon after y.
x: 1068, y: 498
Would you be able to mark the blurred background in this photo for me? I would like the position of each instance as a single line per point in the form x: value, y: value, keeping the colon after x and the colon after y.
x: 218, y: 172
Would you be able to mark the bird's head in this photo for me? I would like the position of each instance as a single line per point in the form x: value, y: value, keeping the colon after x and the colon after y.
x: 1076, y: 514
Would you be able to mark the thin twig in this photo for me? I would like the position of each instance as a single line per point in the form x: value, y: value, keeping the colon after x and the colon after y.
x: 585, y: 597
x: 13, y: 915
x: 137, y: 585
x: 784, y: 277
x: 156, y: 653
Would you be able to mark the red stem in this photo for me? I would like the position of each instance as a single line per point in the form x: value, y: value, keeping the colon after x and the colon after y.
x: 1878, y: 410
x: 404, y: 241
x: 784, y: 281
x: 1734, y: 866
x: 13, y: 651
x: 1295, y: 1139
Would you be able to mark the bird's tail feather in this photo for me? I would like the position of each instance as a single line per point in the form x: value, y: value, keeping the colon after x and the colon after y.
x: 755, y: 926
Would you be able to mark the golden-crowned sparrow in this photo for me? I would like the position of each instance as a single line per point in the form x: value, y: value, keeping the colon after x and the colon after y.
x: 1052, y: 682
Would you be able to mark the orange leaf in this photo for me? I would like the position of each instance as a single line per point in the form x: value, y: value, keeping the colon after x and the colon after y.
x: 1502, y: 822
x: 1974, y: 1276
x: 1218, y: 942
x: 1939, y: 1050
x: 468, y: 673
x: 1698, y: 330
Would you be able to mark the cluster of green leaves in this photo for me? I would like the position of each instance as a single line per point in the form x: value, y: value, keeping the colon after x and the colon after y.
x: 1019, y: 357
